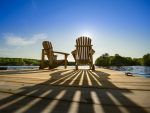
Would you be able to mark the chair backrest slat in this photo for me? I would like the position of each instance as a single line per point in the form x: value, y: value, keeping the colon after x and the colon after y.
x: 48, y: 50
x: 89, y: 47
x: 86, y: 49
x: 83, y: 49
x: 83, y: 46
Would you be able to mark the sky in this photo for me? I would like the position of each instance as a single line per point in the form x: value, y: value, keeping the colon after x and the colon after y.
x: 115, y: 26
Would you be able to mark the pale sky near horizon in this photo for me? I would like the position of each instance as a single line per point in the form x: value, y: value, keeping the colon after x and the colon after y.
x: 115, y: 26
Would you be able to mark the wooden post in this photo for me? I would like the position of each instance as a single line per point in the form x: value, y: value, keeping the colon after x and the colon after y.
x: 65, y: 61
x: 42, y: 62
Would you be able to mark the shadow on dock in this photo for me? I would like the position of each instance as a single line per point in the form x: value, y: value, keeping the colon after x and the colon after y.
x: 74, y: 91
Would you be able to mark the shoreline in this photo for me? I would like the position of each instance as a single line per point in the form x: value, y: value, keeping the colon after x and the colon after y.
x: 135, y: 73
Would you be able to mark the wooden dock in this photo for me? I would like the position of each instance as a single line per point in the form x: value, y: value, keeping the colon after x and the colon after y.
x: 73, y: 91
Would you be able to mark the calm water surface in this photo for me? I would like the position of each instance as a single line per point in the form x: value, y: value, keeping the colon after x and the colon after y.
x: 137, y: 70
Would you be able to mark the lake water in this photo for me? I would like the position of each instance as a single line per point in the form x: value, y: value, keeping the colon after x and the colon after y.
x: 136, y: 70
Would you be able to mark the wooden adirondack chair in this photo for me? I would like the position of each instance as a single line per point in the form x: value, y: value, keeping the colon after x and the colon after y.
x: 52, y: 59
x: 83, y: 54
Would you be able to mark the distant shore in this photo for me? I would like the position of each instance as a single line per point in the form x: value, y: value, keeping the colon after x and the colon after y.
x: 18, y: 67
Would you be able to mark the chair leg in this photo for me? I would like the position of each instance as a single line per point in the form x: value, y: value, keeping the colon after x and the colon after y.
x: 42, y: 60
x: 76, y: 67
x: 50, y: 67
x: 65, y: 61
x: 90, y: 67
x: 93, y: 67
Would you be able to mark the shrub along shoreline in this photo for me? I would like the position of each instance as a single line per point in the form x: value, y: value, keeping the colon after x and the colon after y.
x: 118, y: 60
x: 18, y: 62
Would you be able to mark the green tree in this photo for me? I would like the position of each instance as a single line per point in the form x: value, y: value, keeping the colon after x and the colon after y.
x: 137, y: 61
x: 103, y: 60
x: 18, y: 61
x: 117, y: 60
x: 146, y: 59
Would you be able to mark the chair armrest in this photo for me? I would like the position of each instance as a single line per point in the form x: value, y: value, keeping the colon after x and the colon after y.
x: 61, y: 53
x: 74, y: 52
x: 92, y: 51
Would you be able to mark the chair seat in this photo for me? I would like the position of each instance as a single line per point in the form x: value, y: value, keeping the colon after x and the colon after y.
x: 83, y: 61
x: 56, y: 64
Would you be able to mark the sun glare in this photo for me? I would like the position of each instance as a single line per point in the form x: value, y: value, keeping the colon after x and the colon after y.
x: 87, y: 34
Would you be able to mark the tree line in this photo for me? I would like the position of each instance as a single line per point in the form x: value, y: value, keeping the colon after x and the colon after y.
x: 118, y: 60
x: 18, y: 62
x: 23, y: 62
x: 103, y: 60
